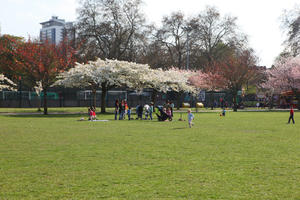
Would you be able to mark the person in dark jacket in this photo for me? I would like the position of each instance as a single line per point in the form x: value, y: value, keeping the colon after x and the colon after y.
x: 121, y: 110
x: 116, y: 109
x: 291, y: 115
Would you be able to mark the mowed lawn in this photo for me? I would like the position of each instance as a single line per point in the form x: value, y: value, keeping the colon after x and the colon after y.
x: 245, y: 155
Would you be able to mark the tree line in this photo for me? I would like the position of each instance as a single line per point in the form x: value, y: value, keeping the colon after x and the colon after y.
x: 204, y: 51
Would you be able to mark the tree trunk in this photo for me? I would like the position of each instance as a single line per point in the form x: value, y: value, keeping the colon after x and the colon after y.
x: 153, y: 97
x: 103, y: 97
x: 234, y: 101
x: 212, y: 98
x: 179, y: 95
x: 39, y: 103
x: 94, y: 97
x: 45, y: 101
x: 271, y: 105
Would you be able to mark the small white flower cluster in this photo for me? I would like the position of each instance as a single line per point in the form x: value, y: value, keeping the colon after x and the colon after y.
x: 6, y: 83
x: 38, y: 88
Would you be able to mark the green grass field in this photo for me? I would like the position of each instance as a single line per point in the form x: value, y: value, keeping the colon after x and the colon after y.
x: 246, y: 155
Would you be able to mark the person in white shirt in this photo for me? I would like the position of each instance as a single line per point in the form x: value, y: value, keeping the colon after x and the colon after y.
x: 147, y: 111
x: 190, y: 118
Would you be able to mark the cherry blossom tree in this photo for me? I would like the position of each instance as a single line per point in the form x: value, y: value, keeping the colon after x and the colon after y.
x: 284, y: 76
x: 206, y: 81
x: 106, y: 74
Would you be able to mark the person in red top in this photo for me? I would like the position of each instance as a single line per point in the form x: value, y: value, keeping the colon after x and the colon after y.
x: 94, y: 113
x: 291, y: 115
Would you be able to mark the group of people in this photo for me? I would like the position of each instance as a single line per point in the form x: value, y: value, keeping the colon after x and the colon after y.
x: 163, y: 113
x: 92, y: 113
x: 143, y: 112
x: 146, y: 110
x: 121, y: 107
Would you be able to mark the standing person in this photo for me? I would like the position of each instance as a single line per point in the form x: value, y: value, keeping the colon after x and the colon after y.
x: 121, y: 110
x: 125, y: 108
x: 116, y: 109
x: 167, y: 105
x: 147, y: 111
x: 221, y: 102
x: 169, y: 113
x: 291, y: 115
x: 137, y: 111
x: 215, y: 104
x: 151, y: 110
x: 190, y: 118
x: 140, y: 112
x: 172, y: 108
x: 129, y: 112
x: 94, y: 112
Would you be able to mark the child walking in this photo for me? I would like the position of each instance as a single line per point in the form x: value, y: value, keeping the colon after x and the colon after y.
x: 190, y: 118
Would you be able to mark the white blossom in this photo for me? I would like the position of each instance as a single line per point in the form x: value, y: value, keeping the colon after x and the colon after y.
x: 38, y: 88
x: 6, y: 83
x: 125, y: 74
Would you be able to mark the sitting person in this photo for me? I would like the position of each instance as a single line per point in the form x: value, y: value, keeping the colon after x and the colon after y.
x: 224, y: 112
x: 169, y: 113
x: 92, y: 113
x: 162, y: 115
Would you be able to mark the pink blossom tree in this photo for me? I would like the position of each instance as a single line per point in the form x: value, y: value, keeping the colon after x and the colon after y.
x: 284, y: 76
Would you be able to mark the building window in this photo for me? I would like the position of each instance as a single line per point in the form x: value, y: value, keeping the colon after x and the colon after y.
x: 53, y: 36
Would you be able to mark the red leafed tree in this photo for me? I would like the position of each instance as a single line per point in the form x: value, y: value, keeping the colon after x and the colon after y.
x: 232, y: 74
x: 236, y: 71
x: 8, y: 44
x: 42, y: 62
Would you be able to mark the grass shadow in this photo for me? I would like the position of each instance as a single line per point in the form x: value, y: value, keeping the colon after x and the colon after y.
x: 179, y: 128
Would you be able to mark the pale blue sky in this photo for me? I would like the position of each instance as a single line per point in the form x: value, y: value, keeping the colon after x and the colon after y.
x: 259, y: 19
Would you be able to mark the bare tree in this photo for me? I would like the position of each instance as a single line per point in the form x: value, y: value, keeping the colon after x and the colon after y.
x: 215, y: 33
x: 172, y: 35
x: 291, y: 26
x: 109, y: 27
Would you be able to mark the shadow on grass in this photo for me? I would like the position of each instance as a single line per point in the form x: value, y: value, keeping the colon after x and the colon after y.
x: 179, y: 128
